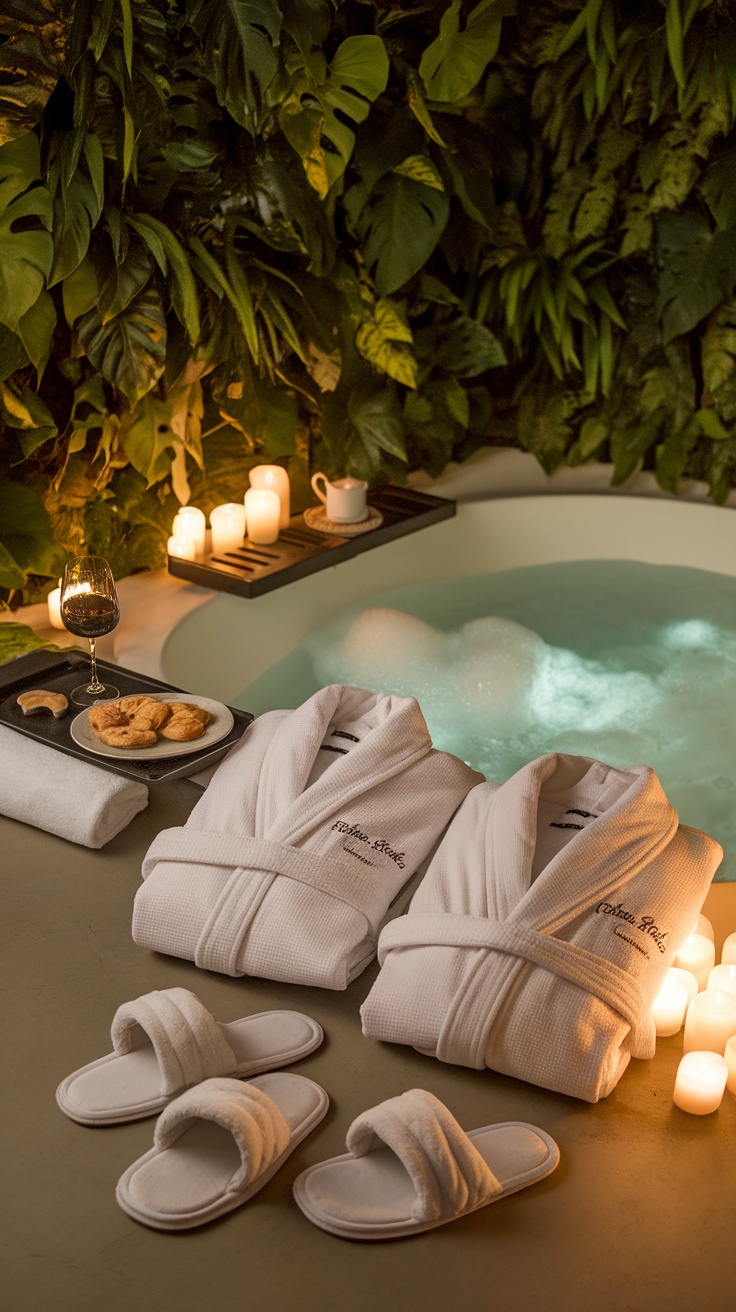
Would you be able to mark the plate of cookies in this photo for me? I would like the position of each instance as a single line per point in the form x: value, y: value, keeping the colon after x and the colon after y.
x: 152, y: 725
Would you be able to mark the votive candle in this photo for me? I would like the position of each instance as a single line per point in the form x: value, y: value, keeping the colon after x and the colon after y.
x: 700, y: 1082
x: 54, y: 604
x: 730, y: 1055
x: 670, y: 1005
x: 703, y: 926
x: 723, y: 977
x: 698, y: 955
x: 183, y: 548
x: 728, y: 955
x: 228, y: 527
x: 686, y: 978
x: 711, y: 1021
x: 274, y: 478
x: 190, y: 522
x: 262, y: 513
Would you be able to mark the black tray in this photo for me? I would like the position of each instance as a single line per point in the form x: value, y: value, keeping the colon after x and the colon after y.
x: 61, y: 671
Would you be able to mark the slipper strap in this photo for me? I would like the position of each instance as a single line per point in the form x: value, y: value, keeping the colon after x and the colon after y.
x: 445, y: 1167
x: 253, y: 1119
x: 187, y: 1040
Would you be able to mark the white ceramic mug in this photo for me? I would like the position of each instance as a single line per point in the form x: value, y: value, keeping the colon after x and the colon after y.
x: 345, y: 500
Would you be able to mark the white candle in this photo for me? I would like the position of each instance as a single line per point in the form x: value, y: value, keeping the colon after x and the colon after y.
x: 703, y: 926
x: 730, y: 1055
x: 181, y: 547
x: 711, y: 1020
x: 701, y: 1079
x: 670, y: 1005
x: 190, y: 522
x: 687, y: 978
x: 262, y: 513
x: 723, y: 977
x: 228, y: 527
x: 698, y: 955
x: 728, y: 955
x: 54, y: 605
x: 273, y: 478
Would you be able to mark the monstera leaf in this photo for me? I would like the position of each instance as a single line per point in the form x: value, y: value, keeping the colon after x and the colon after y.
x: 26, y: 252
x: 400, y: 226
x: 33, y: 35
x: 129, y: 350
x: 239, y: 38
x: 452, y: 65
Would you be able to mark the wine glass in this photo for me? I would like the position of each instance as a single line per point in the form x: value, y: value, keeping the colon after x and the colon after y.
x: 89, y: 608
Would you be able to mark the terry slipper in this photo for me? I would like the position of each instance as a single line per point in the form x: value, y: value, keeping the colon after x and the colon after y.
x: 166, y: 1041
x: 216, y: 1146
x: 411, y: 1167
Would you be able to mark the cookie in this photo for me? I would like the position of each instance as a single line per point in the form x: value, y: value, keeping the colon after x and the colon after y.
x: 189, y: 708
x: 125, y: 735
x: 151, y: 715
x: 107, y: 716
x: 182, y: 728
x: 40, y: 699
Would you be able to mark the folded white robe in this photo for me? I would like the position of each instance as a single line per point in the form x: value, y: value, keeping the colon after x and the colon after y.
x: 542, y: 931
x: 309, y: 830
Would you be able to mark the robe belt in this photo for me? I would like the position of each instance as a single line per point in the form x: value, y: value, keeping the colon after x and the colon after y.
x: 588, y: 970
x: 334, y: 873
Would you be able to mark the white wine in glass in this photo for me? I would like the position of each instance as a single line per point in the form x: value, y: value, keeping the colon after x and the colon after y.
x: 89, y: 608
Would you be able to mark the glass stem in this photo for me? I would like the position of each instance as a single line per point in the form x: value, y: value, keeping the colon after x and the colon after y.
x: 95, y: 685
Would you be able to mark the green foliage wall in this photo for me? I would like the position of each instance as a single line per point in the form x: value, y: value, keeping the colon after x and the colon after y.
x: 372, y: 236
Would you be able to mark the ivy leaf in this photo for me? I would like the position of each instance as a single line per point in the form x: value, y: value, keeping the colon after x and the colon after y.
x: 25, y: 254
x: 130, y: 350
x: 386, y: 342
x: 455, y: 61
x: 466, y: 348
x: 239, y: 39
x: 400, y: 227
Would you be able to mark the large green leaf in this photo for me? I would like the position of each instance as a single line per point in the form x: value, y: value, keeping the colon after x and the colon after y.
x: 36, y: 329
x: 26, y: 532
x: 130, y: 350
x: 32, y: 55
x: 25, y: 412
x: 456, y: 60
x: 386, y: 342
x: 77, y: 207
x: 183, y: 286
x: 698, y: 270
x: 239, y: 39
x: 464, y: 347
x: 26, y: 252
x: 147, y: 439
x: 400, y: 227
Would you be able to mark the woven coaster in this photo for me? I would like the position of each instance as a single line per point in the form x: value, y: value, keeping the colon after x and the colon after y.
x: 316, y: 517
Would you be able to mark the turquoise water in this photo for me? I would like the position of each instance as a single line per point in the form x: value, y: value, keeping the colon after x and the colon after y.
x: 629, y: 663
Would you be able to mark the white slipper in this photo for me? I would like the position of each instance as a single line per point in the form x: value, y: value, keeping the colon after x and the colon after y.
x: 411, y: 1167
x: 166, y: 1041
x: 216, y: 1146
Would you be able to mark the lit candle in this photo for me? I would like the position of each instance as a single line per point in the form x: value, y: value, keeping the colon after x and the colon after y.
x: 190, y: 522
x: 698, y: 955
x: 730, y: 1055
x: 54, y: 605
x: 723, y: 977
x: 686, y: 978
x: 728, y: 955
x: 701, y: 1079
x: 703, y: 926
x: 228, y: 527
x: 711, y: 1020
x: 274, y: 478
x: 670, y: 1005
x: 182, y: 548
x: 262, y: 513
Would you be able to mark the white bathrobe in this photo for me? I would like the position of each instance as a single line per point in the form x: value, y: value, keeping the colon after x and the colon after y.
x: 543, y: 929
x: 311, y: 827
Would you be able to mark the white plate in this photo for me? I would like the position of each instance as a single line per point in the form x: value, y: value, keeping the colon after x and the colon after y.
x: 220, y: 724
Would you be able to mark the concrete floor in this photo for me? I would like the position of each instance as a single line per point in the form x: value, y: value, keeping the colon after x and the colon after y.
x: 639, y: 1216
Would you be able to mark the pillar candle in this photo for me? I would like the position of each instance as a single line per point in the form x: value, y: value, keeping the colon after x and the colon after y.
x: 274, y: 478
x: 670, y: 1005
x: 181, y: 547
x: 703, y: 926
x: 711, y: 1020
x: 730, y: 1055
x: 700, y: 1082
x: 262, y: 513
x: 728, y: 956
x: 698, y: 955
x: 228, y: 527
x: 687, y: 978
x: 723, y: 977
x: 54, y: 604
x: 190, y: 522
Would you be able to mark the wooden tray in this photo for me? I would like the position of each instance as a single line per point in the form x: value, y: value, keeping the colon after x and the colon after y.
x: 61, y: 671
x: 250, y: 571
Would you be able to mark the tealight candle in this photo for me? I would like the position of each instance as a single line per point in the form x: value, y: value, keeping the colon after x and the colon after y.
x: 190, y: 522
x: 228, y: 527
x: 711, y: 1020
x: 670, y: 1005
x: 54, y: 604
x: 181, y: 547
x: 723, y: 977
x: 728, y: 955
x: 262, y: 513
x: 730, y: 1055
x: 698, y: 955
x: 700, y: 1082
x: 273, y: 478
x: 703, y: 926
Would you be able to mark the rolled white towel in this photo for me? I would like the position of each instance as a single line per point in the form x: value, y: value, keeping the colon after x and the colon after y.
x: 77, y: 801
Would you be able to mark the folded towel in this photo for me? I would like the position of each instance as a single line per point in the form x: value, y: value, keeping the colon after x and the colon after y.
x: 309, y: 830
x: 64, y: 796
x: 542, y: 931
